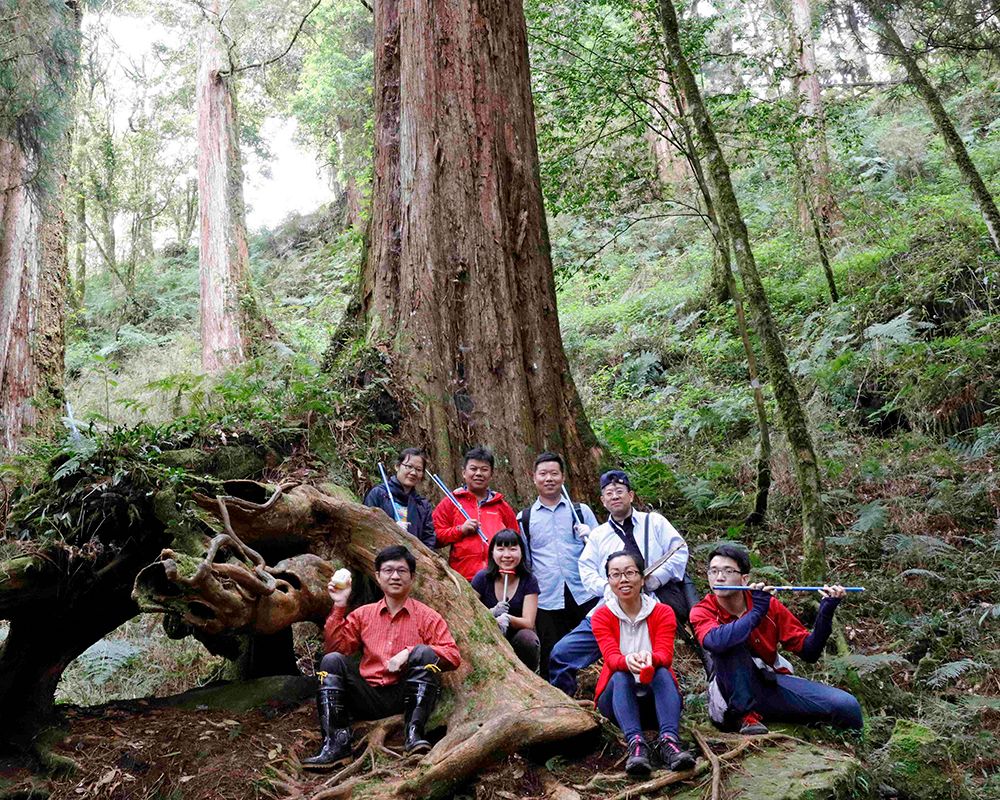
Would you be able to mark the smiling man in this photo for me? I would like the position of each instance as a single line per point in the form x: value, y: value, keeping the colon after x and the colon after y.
x: 751, y: 684
x: 555, y: 535
x: 404, y: 646
x: 488, y: 512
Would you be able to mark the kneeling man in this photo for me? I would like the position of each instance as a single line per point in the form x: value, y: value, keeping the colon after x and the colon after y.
x: 751, y: 683
x: 405, y: 645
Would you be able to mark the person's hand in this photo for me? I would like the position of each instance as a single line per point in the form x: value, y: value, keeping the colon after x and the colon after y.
x: 339, y: 595
x: 582, y: 531
x: 398, y: 661
x: 763, y: 587
x: 652, y: 583
x: 470, y: 527
x: 635, y: 662
x: 402, y: 523
x: 836, y: 591
x: 504, y: 622
x: 500, y: 608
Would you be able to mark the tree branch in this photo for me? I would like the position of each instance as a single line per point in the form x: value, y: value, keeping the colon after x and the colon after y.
x: 283, y: 53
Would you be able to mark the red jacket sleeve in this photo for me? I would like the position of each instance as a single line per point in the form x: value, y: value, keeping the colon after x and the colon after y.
x: 662, y: 630
x: 791, y: 632
x: 703, y: 621
x: 447, y: 523
x: 436, y: 634
x: 509, y: 517
x: 342, y: 632
x: 607, y: 631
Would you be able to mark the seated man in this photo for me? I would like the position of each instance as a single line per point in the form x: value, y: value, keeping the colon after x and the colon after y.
x: 647, y: 535
x: 406, y: 504
x: 751, y: 683
x: 404, y: 644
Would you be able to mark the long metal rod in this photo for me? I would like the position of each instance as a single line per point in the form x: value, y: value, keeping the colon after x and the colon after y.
x: 385, y: 483
x: 788, y: 588
x: 572, y: 509
x: 447, y: 493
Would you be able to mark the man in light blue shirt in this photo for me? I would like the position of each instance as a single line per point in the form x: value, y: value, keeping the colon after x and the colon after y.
x: 555, y: 534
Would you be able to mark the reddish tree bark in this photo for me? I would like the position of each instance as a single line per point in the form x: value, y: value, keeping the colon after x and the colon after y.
x: 224, y: 256
x: 458, y: 279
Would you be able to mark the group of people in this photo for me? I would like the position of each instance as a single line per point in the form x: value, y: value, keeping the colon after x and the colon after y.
x: 566, y: 592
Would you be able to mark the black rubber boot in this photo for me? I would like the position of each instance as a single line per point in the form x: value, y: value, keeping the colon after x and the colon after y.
x: 421, y: 697
x: 333, y: 725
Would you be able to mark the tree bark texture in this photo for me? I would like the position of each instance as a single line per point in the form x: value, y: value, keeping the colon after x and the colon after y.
x: 816, y: 226
x: 224, y: 256
x: 807, y: 87
x: 987, y: 205
x: 458, y: 279
x: 33, y: 258
x: 789, y: 404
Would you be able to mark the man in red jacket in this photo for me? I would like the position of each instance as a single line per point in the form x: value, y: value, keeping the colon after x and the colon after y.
x: 751, y: 683
x: 489, y: 513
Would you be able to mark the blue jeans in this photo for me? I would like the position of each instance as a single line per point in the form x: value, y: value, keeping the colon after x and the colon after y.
x: 620, y: 703
x: 779, y: 698
x: 575, y: 651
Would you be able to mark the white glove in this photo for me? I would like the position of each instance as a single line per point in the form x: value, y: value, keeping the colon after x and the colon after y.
x: 404, y: 525
x: 653, y: 583
x: 582, y: 531
x: 500, y: 608
x: 504, y: 622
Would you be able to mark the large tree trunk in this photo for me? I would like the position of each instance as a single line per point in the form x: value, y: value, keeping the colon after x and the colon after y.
x: 888, y: 35
x: 807, y: 86
x: 790, y: 406
x: 33, y: 261
x: 458, y: 279
x: 224, y: 257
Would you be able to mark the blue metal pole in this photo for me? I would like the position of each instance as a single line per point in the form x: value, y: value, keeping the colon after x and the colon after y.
x: 788, y: 588
x: 385, y: 483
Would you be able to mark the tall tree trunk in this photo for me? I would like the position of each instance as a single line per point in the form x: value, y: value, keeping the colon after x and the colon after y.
x: 33, y: 261
x: 789, y: 405
x: 815, y: 225
x: 811, y: 105
x: 458, y: 278
x: 80, y: 246
x: 987, y: 205
x: 224, y: 256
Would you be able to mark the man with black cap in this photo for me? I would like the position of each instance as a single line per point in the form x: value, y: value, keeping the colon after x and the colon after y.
x: 649, y: 535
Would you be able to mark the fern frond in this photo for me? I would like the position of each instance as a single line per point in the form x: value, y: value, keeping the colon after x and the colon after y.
x: 950, y: 671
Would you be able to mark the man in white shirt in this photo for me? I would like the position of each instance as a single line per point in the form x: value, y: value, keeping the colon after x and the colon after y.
x: 649, y: 535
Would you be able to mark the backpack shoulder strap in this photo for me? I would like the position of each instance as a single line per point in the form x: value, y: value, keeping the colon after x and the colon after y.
x: 525, y: 517
x: 645, y: 538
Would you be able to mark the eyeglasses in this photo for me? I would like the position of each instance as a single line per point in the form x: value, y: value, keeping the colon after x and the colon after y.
x: 724, y: 572
x: 411, y: 468
x: 388, y: 572
x: 631, y: 574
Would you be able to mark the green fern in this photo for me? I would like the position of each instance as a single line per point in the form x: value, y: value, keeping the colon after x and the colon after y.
x: 950, y: 671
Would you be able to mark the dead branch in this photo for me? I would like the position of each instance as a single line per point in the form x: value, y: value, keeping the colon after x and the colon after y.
x: 714, y: 761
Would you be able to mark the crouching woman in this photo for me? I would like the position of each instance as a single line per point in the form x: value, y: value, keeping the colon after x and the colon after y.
x: 636, y: 637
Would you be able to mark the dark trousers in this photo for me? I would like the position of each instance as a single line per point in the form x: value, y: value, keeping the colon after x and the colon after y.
x: 553, y: 625
x: 779, y: 698
x: 526, y: 646
x: 660, y: 705
x: 366, y: 701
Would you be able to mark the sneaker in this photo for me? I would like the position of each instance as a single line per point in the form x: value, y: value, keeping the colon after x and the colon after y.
x: 753, y: 725
x: 638, y: 756
x: 672, y: 756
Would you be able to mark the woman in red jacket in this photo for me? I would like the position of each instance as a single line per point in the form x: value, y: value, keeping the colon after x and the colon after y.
x: 636, y: 635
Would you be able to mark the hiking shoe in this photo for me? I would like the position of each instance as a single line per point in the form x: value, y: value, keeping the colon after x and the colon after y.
x: 638, y: 756
x: 672, y: 756
x: 753, y: 725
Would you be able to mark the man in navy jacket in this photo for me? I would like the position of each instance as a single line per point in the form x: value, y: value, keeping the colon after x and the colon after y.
x: 411, y: 509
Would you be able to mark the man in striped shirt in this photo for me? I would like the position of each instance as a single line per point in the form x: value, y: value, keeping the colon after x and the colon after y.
x: 404, y: 646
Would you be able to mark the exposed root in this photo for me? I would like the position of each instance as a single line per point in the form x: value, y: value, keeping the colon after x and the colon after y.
x: 713, y: 759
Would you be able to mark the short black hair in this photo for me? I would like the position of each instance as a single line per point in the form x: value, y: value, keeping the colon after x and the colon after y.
x: 396, y: 552
x: 542, y: 458
x: 411, y: 451
x: 507, y: 536
x: 640, y: 564
x: 736, y: 552
x: 478, y: 453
